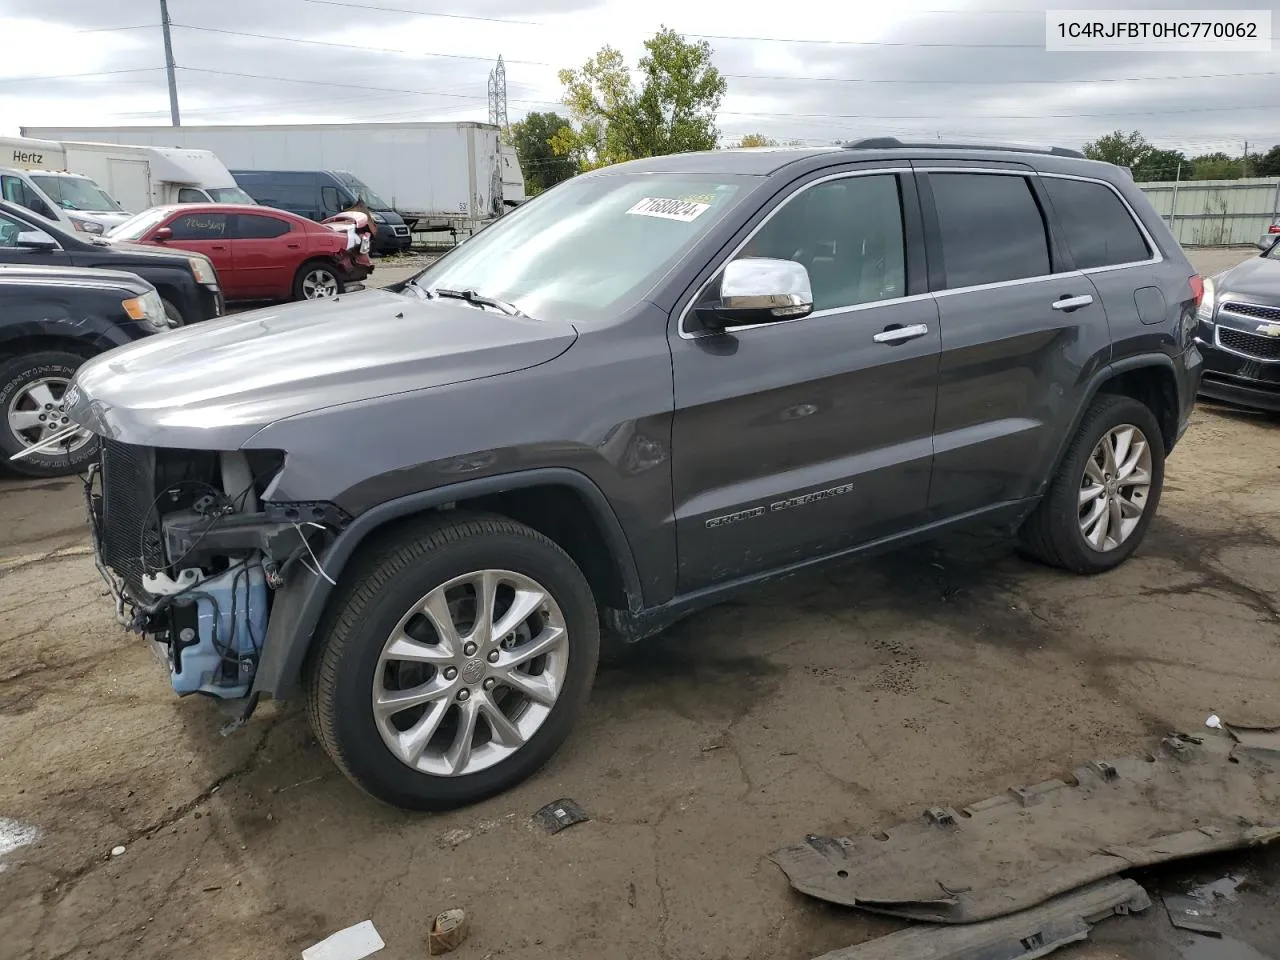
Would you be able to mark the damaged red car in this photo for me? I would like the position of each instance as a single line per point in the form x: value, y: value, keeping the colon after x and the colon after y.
x: 260, y: 253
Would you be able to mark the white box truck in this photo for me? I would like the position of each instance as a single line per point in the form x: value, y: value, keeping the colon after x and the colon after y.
x: 135, y: 177
x: 436, y: 175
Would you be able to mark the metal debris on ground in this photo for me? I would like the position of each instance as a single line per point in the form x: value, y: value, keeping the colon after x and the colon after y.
x: 353, y: 943
x: 554, y: 817
x: 1031, y: 933
x: 1015, y: 851
x: 448, y: 930
x: 1188, y: 913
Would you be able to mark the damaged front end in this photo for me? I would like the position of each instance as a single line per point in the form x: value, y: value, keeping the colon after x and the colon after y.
x: 192, y: 555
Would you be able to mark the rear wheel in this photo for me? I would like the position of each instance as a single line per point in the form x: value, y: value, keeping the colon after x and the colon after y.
x: 317, y: 281
x: 1106, y: 491
x: 454, y: 663
x: 32, y: 388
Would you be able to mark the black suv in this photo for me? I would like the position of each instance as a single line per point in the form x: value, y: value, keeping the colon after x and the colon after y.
x: 187, y: 282
x: 52, y: 319
x: 649, y: 387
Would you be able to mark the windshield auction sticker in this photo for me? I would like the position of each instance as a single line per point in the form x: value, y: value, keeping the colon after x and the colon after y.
x: 1167, y: 31
x: 667, y: 209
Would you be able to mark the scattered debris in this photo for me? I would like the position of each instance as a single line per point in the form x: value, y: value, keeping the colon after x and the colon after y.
x: 1022, y: 936
x: 1214, y: 722
x: 447, y: 931
x: 117, y: 851
x: 1015, y: 851
x: 353, y: 943
x: 554, y: 817
x: 1188, y: 913
x: 14, y: 835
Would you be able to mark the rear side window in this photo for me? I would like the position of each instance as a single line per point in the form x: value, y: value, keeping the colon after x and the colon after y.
x: 253, y: 227
x: 991, y: 228
x: 199, y: 226
x: 1096, y: 224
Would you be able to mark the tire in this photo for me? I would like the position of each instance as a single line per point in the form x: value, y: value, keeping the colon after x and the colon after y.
x: 19, y: 377
x: 172, y: 312
x: 314, y: 275
x: 1054, y: 534
x: 348, y: 667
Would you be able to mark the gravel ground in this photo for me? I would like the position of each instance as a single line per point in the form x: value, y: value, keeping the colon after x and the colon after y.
x: 839, y: 702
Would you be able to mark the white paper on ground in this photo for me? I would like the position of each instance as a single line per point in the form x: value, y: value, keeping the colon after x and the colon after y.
x: 352, y: 943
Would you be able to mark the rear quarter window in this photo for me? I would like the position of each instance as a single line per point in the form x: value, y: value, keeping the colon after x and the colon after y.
x: 1097, y: 225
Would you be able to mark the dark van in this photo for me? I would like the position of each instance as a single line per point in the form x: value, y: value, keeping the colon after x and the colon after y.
x: 317, y: 194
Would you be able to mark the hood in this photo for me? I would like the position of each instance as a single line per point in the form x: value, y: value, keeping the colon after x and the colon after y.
x: 133, y: 251
x: 108, y: 218
x: 57, y: 276
x: 1258, y: 279
x: 213, y: 385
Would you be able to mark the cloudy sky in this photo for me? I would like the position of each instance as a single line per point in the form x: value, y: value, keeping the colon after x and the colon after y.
x: 902, y: 67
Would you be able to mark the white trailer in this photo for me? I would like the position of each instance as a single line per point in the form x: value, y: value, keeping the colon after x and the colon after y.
x: 442, y: 175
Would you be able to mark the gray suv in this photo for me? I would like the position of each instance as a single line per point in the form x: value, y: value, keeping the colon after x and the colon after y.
x: 649, y: 387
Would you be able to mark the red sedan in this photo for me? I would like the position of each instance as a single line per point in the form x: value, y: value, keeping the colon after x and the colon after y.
x: 260, y: 253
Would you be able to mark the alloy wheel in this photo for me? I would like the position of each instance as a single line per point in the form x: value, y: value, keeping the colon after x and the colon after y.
x: 470, y: 673
x: 319, y: 283
x: 1115, y: 487
x: 37, y: 412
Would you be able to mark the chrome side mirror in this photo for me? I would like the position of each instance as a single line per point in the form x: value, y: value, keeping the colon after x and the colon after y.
x: 758, y: 290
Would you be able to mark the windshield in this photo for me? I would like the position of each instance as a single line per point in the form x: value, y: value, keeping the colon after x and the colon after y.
x: 72, y: 193
x: 362, y: 192
x: 137, y: 225
x: 229, y: 195
x: 581, y: 248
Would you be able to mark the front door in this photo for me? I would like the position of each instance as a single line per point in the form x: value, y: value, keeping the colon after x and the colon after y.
x: 210, y: 234
x: 801, y: 438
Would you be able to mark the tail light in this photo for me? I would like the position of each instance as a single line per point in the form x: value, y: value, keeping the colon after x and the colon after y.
x: 1197, y: 289
x: 1274, y: 228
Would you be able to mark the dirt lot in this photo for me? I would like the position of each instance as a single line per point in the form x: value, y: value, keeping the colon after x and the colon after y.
x: 838, y: 702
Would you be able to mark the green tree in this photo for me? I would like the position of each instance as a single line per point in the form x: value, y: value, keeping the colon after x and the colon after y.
x: 755, y: 140
x: 1120, y: 148
x: 672, y: 111
x: 542, y: 166
x: 1266, y: 164
x: 1216, y: 166
x: 1162, y: 165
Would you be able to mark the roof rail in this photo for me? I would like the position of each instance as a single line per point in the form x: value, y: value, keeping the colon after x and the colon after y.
x: 893, y: 143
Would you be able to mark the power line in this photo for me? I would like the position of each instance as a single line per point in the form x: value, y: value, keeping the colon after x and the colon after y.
x: 1200, y: 76
x: 994, y: 116
x: 420, y: 13
x: 856, y: 43
x: 136, y: 26
x: 351, y: 46
x: 77, y: 76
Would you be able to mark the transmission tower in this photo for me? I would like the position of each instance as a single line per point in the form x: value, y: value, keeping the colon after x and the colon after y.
x: 498, y: 95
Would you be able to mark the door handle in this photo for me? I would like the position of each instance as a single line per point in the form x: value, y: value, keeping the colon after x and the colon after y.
x: 901, y: 334
x: 217, y: 246
x: 1067, y: 304
x: 293, y: 246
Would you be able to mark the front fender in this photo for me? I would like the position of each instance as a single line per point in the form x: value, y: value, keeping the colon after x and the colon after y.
x: 299, y: 605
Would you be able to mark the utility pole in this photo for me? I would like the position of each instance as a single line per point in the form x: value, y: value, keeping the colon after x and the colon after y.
x: 1245, y: 171
x: 168, y: 64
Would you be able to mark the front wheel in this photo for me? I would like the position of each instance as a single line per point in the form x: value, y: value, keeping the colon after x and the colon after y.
x: 317, y: 281
x: 454, y: 663
x: 32, y: 388
x: 1101, y: 501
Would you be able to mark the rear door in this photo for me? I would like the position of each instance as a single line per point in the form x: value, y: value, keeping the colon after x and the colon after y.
x: 801, y: 438
x: 1022, y: 331
x: 266, y: 250
x: 210, y: 234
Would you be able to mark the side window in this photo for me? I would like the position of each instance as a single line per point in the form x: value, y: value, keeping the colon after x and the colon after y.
x: 991, y: 228
x: 16, y: 191
x: 847, y: 233
x: 199, y: 226
x: 9, y: 230
x: 331, y: 199
x: 191, y: 195
x: 1096, y: 224
x: 253, y: 227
